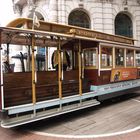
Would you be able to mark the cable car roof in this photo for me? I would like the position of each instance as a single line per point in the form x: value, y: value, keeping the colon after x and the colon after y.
x: 68, y: 30
x: 20, y: 32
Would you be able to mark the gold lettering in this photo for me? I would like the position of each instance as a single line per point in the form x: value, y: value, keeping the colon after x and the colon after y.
x: 98, y: 35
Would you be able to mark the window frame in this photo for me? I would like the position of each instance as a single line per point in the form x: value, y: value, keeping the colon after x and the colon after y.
x: 104, y: 67
x: 96, y: 52
x: 124, y: 55
x: 133, y: 58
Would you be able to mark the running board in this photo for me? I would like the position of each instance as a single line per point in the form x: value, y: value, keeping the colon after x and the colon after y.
x: 47, y: 113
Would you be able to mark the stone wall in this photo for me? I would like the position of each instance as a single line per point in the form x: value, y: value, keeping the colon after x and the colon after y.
x: 102, y: 13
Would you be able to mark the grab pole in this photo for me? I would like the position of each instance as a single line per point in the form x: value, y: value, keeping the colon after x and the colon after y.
x: 1, y: 77
x: 59, y: 70
x: 33, y: 74
x: 80, y: 68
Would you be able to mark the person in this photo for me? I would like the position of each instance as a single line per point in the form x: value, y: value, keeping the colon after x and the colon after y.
x: 7, y: 67
x: 66, y: 60
x: 117, y: 76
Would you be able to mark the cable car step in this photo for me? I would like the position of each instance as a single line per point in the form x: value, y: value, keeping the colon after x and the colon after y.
x: 62, y: 109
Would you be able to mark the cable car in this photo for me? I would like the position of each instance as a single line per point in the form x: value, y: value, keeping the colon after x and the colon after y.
x: 58, y: 69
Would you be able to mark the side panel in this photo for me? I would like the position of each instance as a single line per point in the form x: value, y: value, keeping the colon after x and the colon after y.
x: 111, y: 76
x: 138, y: 72
x: 18, y: 88
x: 92, y: 76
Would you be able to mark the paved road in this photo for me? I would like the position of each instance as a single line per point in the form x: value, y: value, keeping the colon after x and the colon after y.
x: 111, y: 117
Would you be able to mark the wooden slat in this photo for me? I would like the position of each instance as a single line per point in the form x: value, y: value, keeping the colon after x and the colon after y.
x: 19, y: 91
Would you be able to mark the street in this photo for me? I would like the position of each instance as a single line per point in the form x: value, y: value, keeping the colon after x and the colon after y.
x: 115, y: 116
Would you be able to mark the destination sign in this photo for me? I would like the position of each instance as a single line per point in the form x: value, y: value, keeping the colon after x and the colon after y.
x: 99, y: 35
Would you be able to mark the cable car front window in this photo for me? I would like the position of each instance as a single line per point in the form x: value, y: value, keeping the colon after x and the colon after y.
x: 106, y: 57
x: 119, y: 57
x: 90, y: 56
x: 129, y: 58
x: 138, y: 58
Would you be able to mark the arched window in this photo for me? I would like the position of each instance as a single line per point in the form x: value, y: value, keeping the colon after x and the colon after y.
x: 123, y: 25
x: 79, y: 18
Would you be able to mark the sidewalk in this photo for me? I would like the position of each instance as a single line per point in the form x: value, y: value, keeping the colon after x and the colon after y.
x: 13, y: 134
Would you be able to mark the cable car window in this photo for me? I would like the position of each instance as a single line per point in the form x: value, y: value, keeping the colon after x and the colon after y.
x: 90, y: 56
x: 119, y: 57
x: 129, y: 58
x: 40, y: 59
x: 106, y: 57
x: 138, y: 58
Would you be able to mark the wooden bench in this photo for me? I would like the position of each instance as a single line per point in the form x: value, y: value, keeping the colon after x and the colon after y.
x: 18, y: 88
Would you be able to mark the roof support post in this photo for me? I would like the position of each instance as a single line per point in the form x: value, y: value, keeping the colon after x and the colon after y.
x: 99, y: 60
x: 124, y: 60
x: 1, y: 78
x: 46, y: 58
x: 113, y: 57
x: 134, y: 58
x: 28, y: 58
x: 80, y: 67
x: 33, y: 72
x: 59, y: 69
x: 7, y: 52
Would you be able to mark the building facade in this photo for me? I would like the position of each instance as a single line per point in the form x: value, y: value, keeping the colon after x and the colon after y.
x: 120, y: 17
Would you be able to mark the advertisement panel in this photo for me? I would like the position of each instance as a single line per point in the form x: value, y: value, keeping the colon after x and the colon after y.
x: 122, y: 74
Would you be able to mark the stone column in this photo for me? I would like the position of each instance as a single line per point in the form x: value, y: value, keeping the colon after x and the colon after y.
x: 136, y: 26
x: 61, y: 11
x: 107, y: 18
x: 53, y: 6
x: 97, y: 15
x: 17, y: 10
